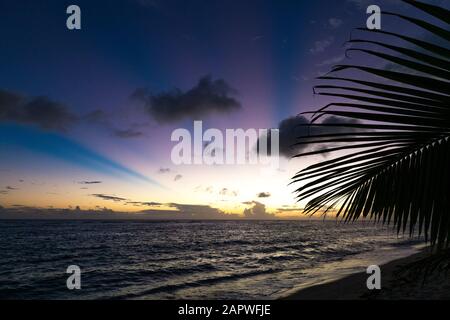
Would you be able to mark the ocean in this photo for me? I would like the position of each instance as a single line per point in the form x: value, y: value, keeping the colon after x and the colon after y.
x: 186, y: 259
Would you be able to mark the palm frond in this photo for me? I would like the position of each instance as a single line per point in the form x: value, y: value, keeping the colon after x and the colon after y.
x: 394, y: 165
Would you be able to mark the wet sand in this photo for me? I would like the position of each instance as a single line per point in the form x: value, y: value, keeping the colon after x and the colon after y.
x: 396, y: 284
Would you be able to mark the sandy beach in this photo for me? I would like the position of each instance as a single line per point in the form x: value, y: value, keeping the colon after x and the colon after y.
x: 399, y: 278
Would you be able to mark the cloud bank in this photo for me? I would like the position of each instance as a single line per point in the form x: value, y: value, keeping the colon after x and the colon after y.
x: 292, y: 128
x: 207, y: 97
x: 257, y: 211
x: 39, y: 111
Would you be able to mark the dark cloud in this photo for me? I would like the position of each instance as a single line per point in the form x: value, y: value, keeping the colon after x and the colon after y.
x: 100, y: 117
x: 292, y: 128
x: 264, y: 195
x: 47, y: 114
x: 181, y: 212
x: 144, y: 204
x: 108, y: 197
x: 90, y: 182
x: 206, y: 213
x: 23, y: 212
x: 281, y: 210
x: 257, y: 211
x: 126, y: 201
x: 207, y: 97
x: 193, y: 211
x: 177, y: 177
x: 164, y: 170
x: 7, y: 190
x: 39, y: 111
x: 128, y: 133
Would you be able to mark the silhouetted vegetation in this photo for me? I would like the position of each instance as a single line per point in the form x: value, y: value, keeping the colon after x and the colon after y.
x: 395, y: 168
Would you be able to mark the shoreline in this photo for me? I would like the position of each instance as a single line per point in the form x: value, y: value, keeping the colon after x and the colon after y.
x: 353, y: 286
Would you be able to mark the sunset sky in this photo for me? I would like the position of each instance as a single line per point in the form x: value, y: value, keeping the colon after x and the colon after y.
x: 82, y: 117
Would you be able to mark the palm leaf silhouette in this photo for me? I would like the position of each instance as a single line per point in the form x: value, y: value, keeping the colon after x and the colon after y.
x: 398, y: 167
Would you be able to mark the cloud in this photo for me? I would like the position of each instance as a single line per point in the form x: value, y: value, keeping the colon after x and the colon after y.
x: 177, y: 211
x: 108, y: 198
x: 181, y: 212
x: 90, y: 182
x: 207, y: 189
x: 144, y: 204
x: 164, y: 170
x: 228, y: 193
x: 289, y: 209
x: 100, y: 117
x: 7, y: 190
x: 264, y: 195
x: 207, y: 97
x: 39, y: 111
x: 177, y: 177
x: 288, y: 212
x: 190, y: 211
x: 257, y: 211
x: 292, y: 128
x: 126, y: 201
x: 321, y: 45
x: 23, y: 212
x: 335, y: 23
x: 128, y: 133
x: 47, y: 114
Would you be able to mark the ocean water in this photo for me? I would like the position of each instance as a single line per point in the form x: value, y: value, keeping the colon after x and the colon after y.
x: 184, y: 260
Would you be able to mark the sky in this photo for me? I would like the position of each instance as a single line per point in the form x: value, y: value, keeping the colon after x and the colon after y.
x: 86, y: 116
